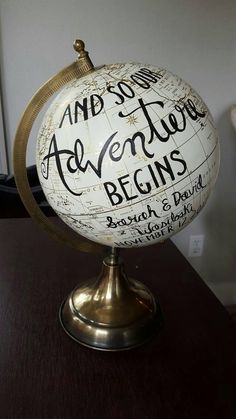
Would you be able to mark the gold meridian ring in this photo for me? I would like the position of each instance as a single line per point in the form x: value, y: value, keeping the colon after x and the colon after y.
x: 20, y: 147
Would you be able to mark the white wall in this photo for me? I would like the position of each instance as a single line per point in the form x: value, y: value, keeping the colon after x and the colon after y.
x: 195, y: 39
x: 3, y: 150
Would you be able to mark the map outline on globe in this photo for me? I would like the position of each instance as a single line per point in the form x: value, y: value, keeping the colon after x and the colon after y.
x: 110, y: 147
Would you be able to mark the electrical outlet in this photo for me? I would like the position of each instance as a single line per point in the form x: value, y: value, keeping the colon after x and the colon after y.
x: 196, y: 244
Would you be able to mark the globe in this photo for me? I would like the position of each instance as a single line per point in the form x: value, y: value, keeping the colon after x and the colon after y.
x: 127, y: 155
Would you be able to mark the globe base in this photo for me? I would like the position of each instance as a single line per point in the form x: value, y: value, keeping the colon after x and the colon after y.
x: 111, y: 312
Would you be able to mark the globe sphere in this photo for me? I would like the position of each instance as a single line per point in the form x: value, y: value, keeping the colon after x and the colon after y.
x: 127, y: 155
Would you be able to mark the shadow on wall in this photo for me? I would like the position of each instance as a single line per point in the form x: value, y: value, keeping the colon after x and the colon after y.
x: 220, y: 221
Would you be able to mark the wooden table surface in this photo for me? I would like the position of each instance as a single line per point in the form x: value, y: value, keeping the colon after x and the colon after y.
x: 187, y: 371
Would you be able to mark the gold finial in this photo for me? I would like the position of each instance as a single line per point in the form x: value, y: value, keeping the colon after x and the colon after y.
x: 83, y: 57
x: 79, y: 47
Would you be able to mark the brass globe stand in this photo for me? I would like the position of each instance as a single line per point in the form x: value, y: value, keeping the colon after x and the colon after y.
x: 111, y: 312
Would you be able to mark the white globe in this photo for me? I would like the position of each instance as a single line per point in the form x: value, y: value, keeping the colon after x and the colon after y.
x: 127, y: 155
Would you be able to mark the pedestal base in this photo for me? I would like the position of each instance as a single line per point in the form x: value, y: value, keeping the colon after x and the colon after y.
x: 111, y: 312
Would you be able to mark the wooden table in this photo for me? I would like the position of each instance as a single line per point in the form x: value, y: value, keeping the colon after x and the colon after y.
x: 187, y: 371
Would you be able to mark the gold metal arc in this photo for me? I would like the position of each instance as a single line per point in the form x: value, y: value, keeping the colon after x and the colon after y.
x: 75, y: 70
